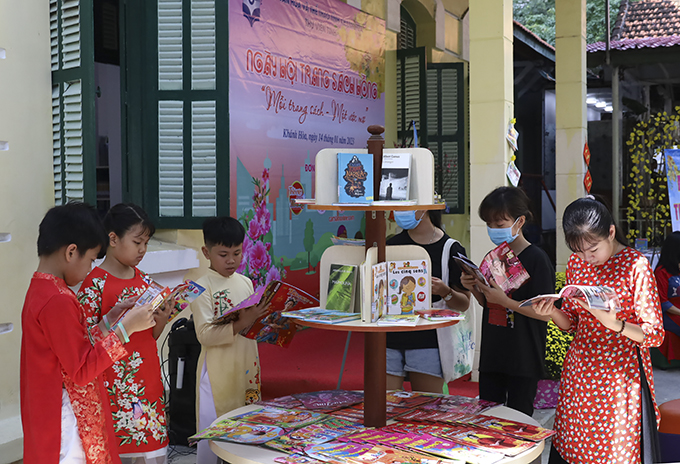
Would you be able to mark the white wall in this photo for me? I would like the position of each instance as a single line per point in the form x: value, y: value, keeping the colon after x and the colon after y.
x: 25, y: 184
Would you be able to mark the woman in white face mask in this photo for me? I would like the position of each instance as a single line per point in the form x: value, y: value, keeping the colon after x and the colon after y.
x: 512, y: 358
x: 417, y: 354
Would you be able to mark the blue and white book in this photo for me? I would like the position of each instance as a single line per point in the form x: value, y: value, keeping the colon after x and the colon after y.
x: 355, y: 178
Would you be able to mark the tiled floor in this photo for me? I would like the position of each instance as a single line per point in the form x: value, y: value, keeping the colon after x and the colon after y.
x: 667, y: 388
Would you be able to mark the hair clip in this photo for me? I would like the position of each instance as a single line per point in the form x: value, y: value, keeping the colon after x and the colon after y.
x: 590, y: 197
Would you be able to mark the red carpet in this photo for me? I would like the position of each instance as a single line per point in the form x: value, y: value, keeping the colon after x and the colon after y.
x: 312, y: 362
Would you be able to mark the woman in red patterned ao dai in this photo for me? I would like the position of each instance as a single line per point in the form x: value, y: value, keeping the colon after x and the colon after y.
x: 599, y: 414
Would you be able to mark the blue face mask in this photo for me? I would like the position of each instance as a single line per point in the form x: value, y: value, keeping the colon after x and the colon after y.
x: 501, y: 235
x: 407, y: 219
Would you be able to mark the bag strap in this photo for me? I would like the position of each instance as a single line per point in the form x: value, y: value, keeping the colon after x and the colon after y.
x: 446, y: 256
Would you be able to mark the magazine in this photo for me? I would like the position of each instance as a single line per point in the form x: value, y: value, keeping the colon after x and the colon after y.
x: 297, y: 458
x: 336, y: 452
x: 504, y: 267
x: 509, y: 427
x: 488, y: 440
x: 284, y: 418
x: 332, y: 317
x: 378, y: 292
x: 598, y: 297
x: 470, y: 268
x: 379, y: 454
x: 394, y: 178
x: 238, y: 432
x: 327, y: 399
x: 437, y: 315
x: 184, y: 294
x: 314, y: 434
x: 408, y: 399
x: 355, y: 178
x: 460, y: 404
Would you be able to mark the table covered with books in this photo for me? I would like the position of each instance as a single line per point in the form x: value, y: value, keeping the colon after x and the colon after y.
x: 423, y: 428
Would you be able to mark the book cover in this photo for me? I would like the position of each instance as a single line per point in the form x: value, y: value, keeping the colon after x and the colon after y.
x: 297, y: 458
x: 355, y: 178
x: 341, y: 287
x: 327, y: 399
x: 408, y: 399
x: 440, y: 315
x: 394, y: 177
x: 510, y: 427
x: 459, y: 404
x: 408, y: 286
x: 384, y: 455
x: 379, y: 293
x: 315, y: 434
x: 284, y: 418
x: 488, y: 440
x: 333, y: 317
x: 504, y: 267
x: 285, y: 402
x: 184, y: 294
x: 155, y: 294
x: 336, y: 452
x: 410, y: 320
x: 470, y: 268
x: 238, y: 432
x: 596, y: 297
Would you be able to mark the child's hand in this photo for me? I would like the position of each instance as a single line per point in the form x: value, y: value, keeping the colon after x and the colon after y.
x: 114, y: 313
x: 439, y: 287
x: 138, y: 319
x: 162, y: 314
x: 249, y: 315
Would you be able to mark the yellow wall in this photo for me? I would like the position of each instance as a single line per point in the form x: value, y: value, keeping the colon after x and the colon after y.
x: 26, y: 189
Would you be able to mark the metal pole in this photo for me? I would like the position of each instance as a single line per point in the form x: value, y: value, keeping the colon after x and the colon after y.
x: 616, y: 145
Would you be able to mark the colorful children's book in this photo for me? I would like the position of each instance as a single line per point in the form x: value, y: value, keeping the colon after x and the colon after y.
x: 504, y: 267
x: 321, y: 432
x: 355, y: 178
x: 238, y: 432
x: 308, y: 312
x: 328, y: 399
x: 284, y: 418
x: 184, y: 294
x: 280, y: 296
x: 335, y: 452
x: 379, y: 454
x: 459, y: 404
x: 437, y: 315
x: 509, y: 427
x: 470, y: 268
x: 601, y: 297
x: 408, y: 286
x: 408, y: 399
x: 297, y: 458
x: 379, y: 292
x: 488, y: 440
x: 285, y: 402
x: 409, y: 320
x: 342, y: 280
x: 394, y: 180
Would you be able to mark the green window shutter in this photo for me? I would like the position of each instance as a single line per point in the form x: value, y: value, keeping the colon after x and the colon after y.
x: 179, y: 84
x: 446, y: 131
x: 411, y: 94
x: 73, y: 115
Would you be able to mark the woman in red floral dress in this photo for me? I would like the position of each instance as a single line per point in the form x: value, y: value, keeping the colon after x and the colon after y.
x: 136, y: 393
x: 599, y: 417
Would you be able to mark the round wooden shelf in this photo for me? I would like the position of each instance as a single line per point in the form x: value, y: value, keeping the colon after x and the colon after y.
x: 358, y: 326
x: 315, y: 206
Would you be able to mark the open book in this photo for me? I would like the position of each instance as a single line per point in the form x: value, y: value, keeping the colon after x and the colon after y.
x: 500, y: 265
x: 596, y: 297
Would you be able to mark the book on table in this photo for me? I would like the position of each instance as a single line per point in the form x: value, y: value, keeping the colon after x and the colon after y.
x: 596, y: 297
x: 439, y: 315
x: 378, y: 292
x: 409, y: 320
x: 408, y: 286
x: 355, y: 178
x: 395, y: 178
x: 342, y: 280
x: 238, y: 432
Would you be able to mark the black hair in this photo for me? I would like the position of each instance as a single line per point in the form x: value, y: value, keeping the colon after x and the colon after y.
x: 223, y: 230
x: 124, y: 216
x: 670, y: 254
x: 586, y: 221
x: 505, y: 203
x: 435, y: 216
x: 73, y: 223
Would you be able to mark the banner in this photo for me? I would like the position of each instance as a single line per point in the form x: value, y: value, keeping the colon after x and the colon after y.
x: 302, y: 76
x: 673, y: 176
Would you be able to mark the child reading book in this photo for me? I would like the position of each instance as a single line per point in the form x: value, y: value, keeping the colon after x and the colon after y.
x: 64, y: 406
x: 142, y: 395
x: 228, y: 373
x: 609, y: 357
x: 512, y: 355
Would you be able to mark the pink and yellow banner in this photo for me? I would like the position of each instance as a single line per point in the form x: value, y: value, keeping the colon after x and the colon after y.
x: 302, y: 76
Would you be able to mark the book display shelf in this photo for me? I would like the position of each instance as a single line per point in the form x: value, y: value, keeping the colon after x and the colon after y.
x: 421, y: 188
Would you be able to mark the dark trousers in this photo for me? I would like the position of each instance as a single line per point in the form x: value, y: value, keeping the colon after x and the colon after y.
x: 513, y: 391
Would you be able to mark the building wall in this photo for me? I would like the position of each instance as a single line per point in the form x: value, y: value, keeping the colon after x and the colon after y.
x: 26, y: 188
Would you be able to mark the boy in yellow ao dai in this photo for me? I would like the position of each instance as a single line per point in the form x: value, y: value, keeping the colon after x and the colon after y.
x: 228, y: 367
